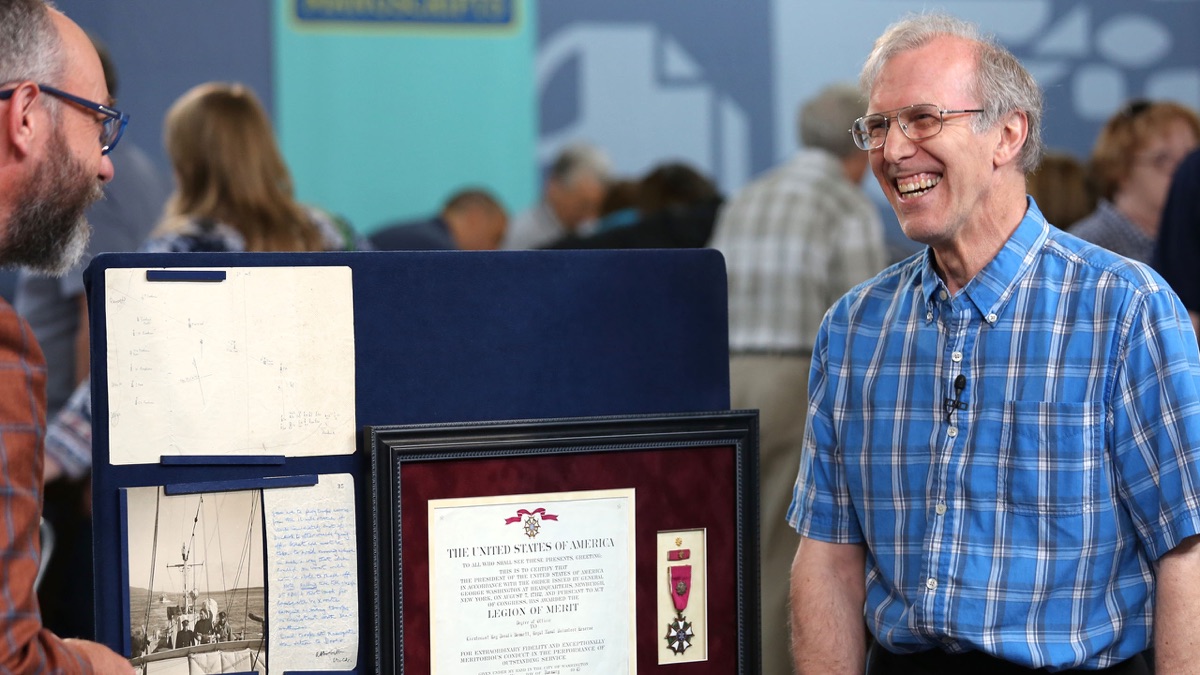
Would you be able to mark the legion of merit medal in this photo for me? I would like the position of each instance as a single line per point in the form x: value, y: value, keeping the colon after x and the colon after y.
x: 679, y: 632
x: 532, y: 523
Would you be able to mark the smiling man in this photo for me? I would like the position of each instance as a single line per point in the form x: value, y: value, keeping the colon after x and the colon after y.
x: 999, y: 470
x: 55, y: 132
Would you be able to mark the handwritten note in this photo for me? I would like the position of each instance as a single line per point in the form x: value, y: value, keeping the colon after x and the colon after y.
x: 312, y: 574
x: 261, y: 363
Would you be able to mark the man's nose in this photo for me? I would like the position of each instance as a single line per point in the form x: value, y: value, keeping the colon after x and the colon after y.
x: 896, y: 144
x: 106, y: 169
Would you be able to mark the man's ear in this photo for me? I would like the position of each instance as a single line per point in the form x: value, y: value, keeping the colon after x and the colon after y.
x: 20, y: 121
x: 1013, y: 133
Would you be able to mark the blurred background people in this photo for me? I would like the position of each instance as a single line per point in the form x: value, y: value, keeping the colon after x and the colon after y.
x: 233, y: 193
x: 795, y: 240
x: 471, y: 220
x: 1177, y: 252
x: 571, y: 199
x: 1061, y: 188
x: 619, y: 206
x: 1132, y: 162
x: 672, y: 206
x: 56, y: 310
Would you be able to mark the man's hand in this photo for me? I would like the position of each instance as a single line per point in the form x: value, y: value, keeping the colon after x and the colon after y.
x: 101, y: 658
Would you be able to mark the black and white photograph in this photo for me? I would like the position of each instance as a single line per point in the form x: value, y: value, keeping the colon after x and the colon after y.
x: 196, y: 591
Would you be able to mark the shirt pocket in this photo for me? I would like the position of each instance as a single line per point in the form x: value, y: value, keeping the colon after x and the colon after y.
x: 1048, y: 456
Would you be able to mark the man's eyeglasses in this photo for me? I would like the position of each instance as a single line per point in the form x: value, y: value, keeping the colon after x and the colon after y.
x: 918, y: 122
x: 114, y: 120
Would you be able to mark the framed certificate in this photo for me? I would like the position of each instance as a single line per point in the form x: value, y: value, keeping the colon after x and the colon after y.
x: 583, y: 545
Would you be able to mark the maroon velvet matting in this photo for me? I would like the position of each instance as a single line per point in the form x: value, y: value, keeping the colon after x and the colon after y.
x: 676, y: 489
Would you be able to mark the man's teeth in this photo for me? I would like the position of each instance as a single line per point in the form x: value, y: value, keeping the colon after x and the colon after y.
x: 918, y: 187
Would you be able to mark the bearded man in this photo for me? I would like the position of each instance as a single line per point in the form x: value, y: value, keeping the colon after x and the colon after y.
x: 56, y: 129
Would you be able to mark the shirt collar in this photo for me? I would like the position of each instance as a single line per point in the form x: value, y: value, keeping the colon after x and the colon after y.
x: 994, y: 284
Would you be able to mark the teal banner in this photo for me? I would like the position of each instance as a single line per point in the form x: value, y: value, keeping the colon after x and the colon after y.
x: 381, y: 124
x: 489, y: 12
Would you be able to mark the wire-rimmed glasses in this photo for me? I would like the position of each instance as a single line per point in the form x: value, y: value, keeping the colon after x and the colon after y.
x: 114, y: 120
x: 918, y: 122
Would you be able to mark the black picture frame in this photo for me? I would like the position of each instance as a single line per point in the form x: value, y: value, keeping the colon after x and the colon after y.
x: 702, y: 466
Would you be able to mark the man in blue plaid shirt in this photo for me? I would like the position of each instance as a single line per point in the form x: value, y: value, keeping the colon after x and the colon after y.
x: 999, y: 470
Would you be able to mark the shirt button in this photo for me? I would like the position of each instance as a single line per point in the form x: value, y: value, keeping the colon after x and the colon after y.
x: 956, y: 357
x: 931, y: 584
x: 942, y: 294
x: 952, y: 432
x: 940, y: 508
x: 991, y: 318
x: 929, y: 316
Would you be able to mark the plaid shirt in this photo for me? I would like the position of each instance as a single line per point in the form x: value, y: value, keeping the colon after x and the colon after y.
x: 1027, y: 524
x: 795, y: 241
x: 25, y: 646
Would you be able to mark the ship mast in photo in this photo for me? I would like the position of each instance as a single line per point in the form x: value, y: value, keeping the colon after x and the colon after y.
x: 201, y: 559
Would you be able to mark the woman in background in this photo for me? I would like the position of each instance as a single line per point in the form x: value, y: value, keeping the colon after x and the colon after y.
x: 1132, y: 162
x: 233, y: 191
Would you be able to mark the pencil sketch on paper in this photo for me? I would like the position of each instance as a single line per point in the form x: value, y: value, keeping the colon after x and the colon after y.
x: 261, y: 363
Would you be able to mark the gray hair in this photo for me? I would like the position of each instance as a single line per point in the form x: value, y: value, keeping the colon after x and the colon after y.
x: 579, y: 159
x: 824, y: 120
x: 1001, y: 82
x: 30, y: 47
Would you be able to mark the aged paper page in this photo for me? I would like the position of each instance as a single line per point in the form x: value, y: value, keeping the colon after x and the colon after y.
x: 259, y: 363
x: 312, y: 576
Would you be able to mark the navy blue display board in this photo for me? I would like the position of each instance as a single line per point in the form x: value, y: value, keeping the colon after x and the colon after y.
x: 455, y: 337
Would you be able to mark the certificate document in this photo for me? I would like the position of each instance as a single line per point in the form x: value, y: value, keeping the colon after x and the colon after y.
x: 537, y: 583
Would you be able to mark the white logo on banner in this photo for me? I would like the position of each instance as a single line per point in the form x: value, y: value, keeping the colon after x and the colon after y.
x: 644, y: 100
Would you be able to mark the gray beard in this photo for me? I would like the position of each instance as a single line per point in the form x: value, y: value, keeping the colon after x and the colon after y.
x: 47, y: 231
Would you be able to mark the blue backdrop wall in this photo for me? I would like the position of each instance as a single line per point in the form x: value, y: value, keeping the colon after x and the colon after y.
x: 381, y: 116
x: 162, y: 49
